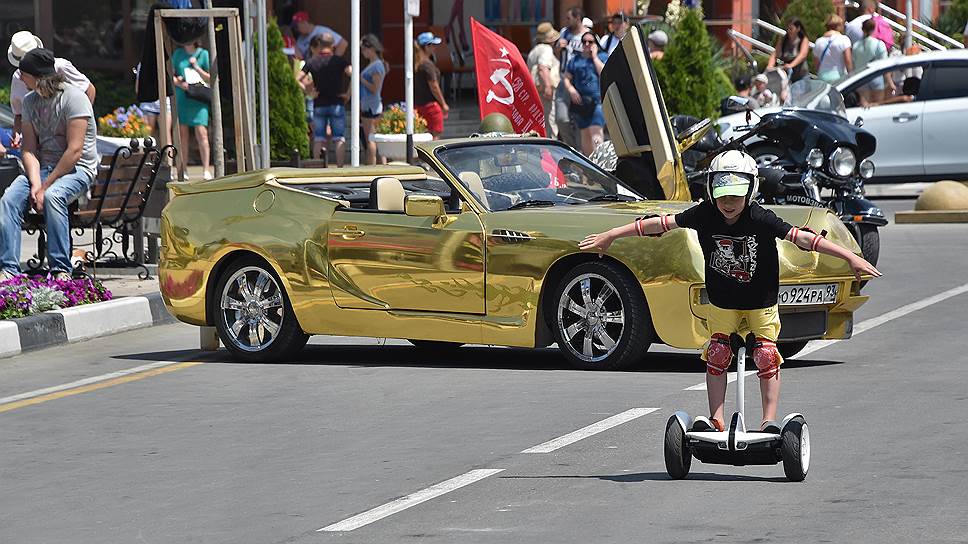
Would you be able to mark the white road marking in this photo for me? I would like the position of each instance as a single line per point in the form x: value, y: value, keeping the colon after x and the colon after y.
x: 730, y: 378
x: 590, y: 430
x: 412, y: 499
x: 85, y: 381
x: 864, y: 326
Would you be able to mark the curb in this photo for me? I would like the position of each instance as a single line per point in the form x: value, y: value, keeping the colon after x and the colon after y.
x: 932, y: 216
x: 81, y: 323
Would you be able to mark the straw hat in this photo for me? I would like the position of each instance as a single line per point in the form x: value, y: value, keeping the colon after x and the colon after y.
x: 546, y: 33
x: 20, y: 44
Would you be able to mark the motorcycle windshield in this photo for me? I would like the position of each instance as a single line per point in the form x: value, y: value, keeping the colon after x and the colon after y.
x: 814, y: 94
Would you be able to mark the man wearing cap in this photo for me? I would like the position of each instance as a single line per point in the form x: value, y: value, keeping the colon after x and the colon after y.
x: 306, y: 31
x: 545, y: 71
x: 618, y: 25
x: 20, y: 44
x: 658, y: 40
x: 428, y: 98
x: 60, y: 161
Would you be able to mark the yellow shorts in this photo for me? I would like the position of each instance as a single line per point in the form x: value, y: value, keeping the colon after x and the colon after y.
x: 762, y: 322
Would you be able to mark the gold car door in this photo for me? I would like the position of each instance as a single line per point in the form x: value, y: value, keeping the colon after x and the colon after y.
x: 392, y: 261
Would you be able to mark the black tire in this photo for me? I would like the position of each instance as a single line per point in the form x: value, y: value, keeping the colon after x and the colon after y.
x: 764, y: 150
x: 288, y: 338
x: 796, y: 449
x: 620, y: 319
x: 789, y: 349
x: 435, y: 345
x: 678, y: 459
x: 869, y: 240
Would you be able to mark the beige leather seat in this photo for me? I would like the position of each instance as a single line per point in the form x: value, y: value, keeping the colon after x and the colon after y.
x: 473, y: 182
x: 387, y: 194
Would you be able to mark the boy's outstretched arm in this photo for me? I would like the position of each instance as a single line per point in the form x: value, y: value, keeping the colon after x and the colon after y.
x: 815, y: 242
x: 640, y: 227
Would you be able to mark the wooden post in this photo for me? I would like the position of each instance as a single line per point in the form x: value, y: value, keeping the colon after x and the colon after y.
x: 182, y: 156
x: 162, y: 82
x: 243, y: 144
x: 218, y: 143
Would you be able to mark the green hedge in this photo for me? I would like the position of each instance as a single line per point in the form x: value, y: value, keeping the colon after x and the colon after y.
x: 812, y: 13
x: 690, y: 83
x: 287, y: 107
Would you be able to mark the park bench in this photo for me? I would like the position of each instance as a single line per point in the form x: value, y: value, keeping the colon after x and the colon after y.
x: 117, y: 201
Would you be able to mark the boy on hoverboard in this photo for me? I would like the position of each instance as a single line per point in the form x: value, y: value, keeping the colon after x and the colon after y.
x: 742, y: 275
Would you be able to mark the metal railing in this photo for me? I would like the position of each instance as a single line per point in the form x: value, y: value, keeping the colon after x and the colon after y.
x: 752, y: 41
x: 915, y: 36
x: 921, y: 26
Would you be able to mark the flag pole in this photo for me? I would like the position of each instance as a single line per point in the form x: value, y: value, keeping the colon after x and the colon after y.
x: 355, y: 84
x: 408, y: 70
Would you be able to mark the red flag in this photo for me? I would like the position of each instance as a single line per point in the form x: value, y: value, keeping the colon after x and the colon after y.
x: 504, y: 83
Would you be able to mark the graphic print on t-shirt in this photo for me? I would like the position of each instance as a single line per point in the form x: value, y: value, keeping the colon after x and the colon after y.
x: 734, y: 257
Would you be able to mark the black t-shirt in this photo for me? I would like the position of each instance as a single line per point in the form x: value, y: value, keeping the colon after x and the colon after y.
x: 327, y: 75
x: 742, y: 266
x: 425, y: 74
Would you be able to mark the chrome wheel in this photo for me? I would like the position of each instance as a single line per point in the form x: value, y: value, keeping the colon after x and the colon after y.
x: 252, y: 309
x: 590, y: 317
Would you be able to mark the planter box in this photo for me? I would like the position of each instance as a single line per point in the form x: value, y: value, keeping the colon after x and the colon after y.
x: 394, y: 146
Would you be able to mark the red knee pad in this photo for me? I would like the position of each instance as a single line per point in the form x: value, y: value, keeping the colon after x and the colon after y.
x: 718, y: 354
x: 767, y: 358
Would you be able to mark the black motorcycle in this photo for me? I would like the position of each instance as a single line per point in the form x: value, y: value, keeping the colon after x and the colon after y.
x: 809, y: 154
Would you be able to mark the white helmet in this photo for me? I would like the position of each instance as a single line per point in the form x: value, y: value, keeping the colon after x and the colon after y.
x: 735, y: 173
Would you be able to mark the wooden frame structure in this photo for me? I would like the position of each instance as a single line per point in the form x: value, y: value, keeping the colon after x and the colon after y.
x: 244, y: 144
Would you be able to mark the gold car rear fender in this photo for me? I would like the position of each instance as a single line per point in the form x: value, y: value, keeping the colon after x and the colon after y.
x: 222, y: 260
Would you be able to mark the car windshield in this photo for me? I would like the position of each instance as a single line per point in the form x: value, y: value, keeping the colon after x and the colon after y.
x: 506, y: 175
x: 814, y: 94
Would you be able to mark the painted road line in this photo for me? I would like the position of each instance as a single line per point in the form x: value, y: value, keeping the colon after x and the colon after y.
x: 590, y: 430
x: 410, y: 500
x: 730, y: 378
x: 90, y: 384
x: 869, y: 324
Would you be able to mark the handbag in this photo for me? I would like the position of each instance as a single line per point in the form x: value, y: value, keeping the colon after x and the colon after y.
x: 200, y: 92
x: 586, y: 108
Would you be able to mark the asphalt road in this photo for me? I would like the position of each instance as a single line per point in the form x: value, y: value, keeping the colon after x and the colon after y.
x: 225, y: 452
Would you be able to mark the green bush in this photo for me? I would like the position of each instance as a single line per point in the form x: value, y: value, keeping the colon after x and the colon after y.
x: 114, y: 90
x: 687, y: 77
x: 952, y: 21
x: 5, y: 94
x: 812, y: 13
x: 287, y: 111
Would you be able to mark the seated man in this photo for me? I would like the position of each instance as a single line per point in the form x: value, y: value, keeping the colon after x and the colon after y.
x: 60, y: 160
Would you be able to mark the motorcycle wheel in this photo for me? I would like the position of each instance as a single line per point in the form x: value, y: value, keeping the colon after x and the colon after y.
x: 869, y: 240
x: 766, y: 155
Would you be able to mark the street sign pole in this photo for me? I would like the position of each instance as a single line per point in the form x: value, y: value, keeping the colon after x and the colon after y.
x: 355, y: 84
x: 411, y: 9
x: 263, y: 86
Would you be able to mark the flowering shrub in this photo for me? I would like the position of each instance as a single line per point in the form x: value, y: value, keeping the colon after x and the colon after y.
x: 394, y: 121
x: 23, y: 295
x: 124, y: 123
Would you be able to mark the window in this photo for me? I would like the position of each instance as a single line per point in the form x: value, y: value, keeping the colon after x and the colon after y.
x: 950, y: 81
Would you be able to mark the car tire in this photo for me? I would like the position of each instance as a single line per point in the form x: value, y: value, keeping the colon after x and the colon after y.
x: 606, y: 297
x: 274, y: 334
x: 795, y: 449
x: 434, y: 345
x: 678, y: 459
x: 789, y: 349
x: 765, y: 154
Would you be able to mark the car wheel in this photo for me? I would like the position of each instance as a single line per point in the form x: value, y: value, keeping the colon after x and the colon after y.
x: 796, y: 449
x: 766, y: 155
x: 789, y: 349
x: 678, y: 459
x: 600, y: 319
x: 254, y: 317
x: 435, y: 345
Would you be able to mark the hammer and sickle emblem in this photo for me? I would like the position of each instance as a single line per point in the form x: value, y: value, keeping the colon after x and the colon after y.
x: 501, y: 76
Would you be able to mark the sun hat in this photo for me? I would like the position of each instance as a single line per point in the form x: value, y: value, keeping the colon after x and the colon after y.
x: 546, y: 33
x: 427, y: 38
x: 20, y: 44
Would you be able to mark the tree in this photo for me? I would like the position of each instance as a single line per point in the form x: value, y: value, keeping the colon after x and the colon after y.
x: 287, y: 107
x: 812, y: 13
x: 686, y: 74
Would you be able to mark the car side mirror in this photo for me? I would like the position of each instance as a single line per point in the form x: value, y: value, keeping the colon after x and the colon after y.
x: 737, y: 104
x: 859, y: 122
x: 424, y: 206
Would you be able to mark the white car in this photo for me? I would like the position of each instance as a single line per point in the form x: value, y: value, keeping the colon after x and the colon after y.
x: 919, y: 140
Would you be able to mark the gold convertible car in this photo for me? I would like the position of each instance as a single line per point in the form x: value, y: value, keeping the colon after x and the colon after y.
x: 479, y: 245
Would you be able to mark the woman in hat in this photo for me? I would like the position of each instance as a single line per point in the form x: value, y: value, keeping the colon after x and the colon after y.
x: 545, y: 70
x: 428, y: 98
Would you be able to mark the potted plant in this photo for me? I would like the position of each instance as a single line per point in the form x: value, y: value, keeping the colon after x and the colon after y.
x: 120, y: 127
x: 391, y: 132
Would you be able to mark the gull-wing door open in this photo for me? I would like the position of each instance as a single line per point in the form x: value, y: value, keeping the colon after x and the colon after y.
x: 638, y: 123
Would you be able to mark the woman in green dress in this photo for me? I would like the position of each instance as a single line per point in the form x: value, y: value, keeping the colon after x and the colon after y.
x: 191, y: 66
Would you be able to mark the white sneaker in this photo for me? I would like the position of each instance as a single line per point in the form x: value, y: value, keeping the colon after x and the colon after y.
x: 207, y: 175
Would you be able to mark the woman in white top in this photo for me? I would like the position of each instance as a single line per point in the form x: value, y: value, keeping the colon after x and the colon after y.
x: 832, y: 51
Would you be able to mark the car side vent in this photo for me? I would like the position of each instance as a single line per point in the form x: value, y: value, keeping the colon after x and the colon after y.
x: 510, y: 236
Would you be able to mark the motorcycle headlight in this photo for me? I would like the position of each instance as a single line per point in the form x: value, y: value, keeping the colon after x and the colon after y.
x: 842, y: 162
x: 815, y: 158
x: 866, y: 169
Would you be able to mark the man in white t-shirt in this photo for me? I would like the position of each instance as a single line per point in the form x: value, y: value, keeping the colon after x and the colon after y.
x: 20, y: 44
x: 545, y: 71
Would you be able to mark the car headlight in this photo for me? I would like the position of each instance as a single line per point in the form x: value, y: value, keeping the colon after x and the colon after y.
x: 866, y: 169
x: 815, y: 158
x: 842, y: 162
